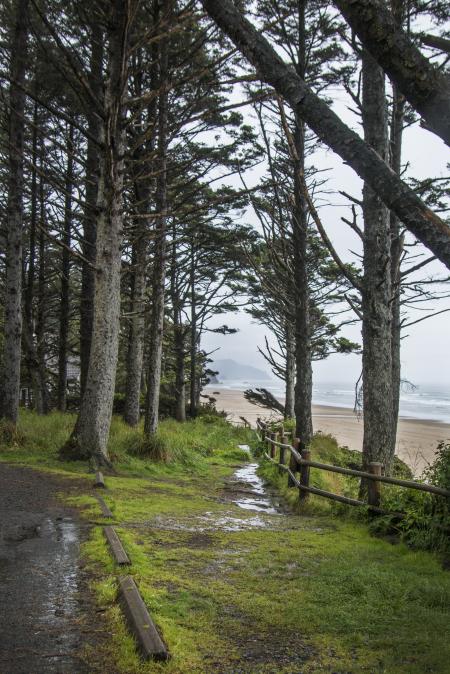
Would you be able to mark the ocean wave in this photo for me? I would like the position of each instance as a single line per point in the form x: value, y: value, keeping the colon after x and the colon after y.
x: 432, y: 403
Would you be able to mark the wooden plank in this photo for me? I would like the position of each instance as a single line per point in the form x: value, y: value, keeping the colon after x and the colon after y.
x: 140, y: 622
x: 330, y: 495
x: 430, y: 488
x: 116, y: 546
x: 99, y: 480
x: 106, y: 512
x: 408, y: 484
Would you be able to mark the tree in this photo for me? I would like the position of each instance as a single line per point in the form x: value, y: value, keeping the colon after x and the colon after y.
x: 424, y: 86
x: 156, y: 327
x: 11, y: 360
x: 378, y: 443
x: 90, y: 436
x: 423, y: 223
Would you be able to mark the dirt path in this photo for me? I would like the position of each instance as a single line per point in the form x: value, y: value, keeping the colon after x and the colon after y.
x: 48, y: 620
x: 238, y: 585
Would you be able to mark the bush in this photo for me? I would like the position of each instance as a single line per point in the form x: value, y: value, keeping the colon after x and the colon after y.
x: 426, y: 525
x: 9, y: 434
x: 149, y: 447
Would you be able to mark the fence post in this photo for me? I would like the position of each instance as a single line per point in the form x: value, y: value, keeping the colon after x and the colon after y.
x: 268, y: 441
x: 374, y: 487
x: 293, y: 465
x: 262, y: 428
x: 283, y: 451
x: 272, y: 446
x: 304, y: 474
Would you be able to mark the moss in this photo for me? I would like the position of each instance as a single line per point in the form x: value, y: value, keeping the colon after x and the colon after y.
x: 309, y: 592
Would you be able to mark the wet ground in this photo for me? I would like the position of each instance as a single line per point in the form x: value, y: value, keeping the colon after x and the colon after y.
x: 48, y: 620
x: 247, y: 490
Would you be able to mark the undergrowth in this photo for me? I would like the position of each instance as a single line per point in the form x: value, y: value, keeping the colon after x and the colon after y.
x: 315, y: 593
x: 426, y: 521
x: 175, y: 446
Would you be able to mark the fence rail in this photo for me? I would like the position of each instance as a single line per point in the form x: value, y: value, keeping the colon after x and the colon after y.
x: 300, y: 462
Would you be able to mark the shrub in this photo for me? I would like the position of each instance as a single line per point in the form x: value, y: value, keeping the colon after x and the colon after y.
x: 151, y: 447
x: 426, y: 525
x: 10, y: 434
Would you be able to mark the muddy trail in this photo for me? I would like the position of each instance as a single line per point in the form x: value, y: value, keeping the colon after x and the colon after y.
x: 48, y: 619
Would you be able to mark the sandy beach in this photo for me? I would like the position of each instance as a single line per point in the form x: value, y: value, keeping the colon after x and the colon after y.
x: 417, y: 439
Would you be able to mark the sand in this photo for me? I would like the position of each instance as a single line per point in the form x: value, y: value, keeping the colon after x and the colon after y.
x: 417, y: 439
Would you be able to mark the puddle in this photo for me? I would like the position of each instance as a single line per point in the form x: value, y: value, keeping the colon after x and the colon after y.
x: 231, y: 523
x: 208, y: 522
x: 41, y: 617
x: 246, y: 490
x: 246, y: 480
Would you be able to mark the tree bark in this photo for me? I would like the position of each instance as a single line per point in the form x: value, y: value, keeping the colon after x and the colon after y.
x: 289, y: 408
x: 398, y: 113
x: 159, y: 263
x: 41, y: 310
x: 65, y: 275
x: 9, y: 398
x: 425, y: 87
x: 178, y: 339
x: 135, y: 354
x: 89, y: 218
x: 193, y: 397
x: 90, y: 436
x: 303, y: 352
x: 31, y: 358
x: 416, y: 216
x: 180, y: 374
x: 376, y: 286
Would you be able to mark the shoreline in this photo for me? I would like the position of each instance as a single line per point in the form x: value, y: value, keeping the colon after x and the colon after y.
x: 417, y: 439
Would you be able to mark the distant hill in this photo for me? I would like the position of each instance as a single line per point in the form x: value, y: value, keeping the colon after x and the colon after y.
x: 230, y: 369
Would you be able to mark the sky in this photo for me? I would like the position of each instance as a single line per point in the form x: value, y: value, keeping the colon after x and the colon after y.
x: 424, y: 356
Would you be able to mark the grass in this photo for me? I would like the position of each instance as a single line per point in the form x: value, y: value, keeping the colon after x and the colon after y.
x: 325, y: 449
x: 310, y: 593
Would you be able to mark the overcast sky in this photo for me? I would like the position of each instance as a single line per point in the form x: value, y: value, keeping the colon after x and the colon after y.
x: 425, y: 358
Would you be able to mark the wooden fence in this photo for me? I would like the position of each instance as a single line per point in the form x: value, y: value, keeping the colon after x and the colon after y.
x: 298, y: 464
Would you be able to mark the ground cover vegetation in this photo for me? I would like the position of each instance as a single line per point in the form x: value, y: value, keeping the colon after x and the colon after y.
x: 222, y: 581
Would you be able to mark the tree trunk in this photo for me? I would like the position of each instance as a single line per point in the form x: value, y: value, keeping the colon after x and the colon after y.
x: 289, y: 408
x: 41, y: 312
x: 429, y: 228
x: 159, y: 263
x: 29, y: 345
x: 90, y: 436
x: 425, y: 87
x: 303, y: 352
x: 180, y: 375
x: 89, y: 217
x: 9, y: 398
x: 65, y: 287
x: 376, y: 291
x: 178, y: 338
x: 303, y: 385
x: 193, y: 340
x: 398, y: 113
x: 135, y: 353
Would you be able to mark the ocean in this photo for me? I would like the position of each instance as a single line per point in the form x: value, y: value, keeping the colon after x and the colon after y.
x: 421, y: 402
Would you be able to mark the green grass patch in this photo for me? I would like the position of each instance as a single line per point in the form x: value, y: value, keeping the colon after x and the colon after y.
x: 309, y: 592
